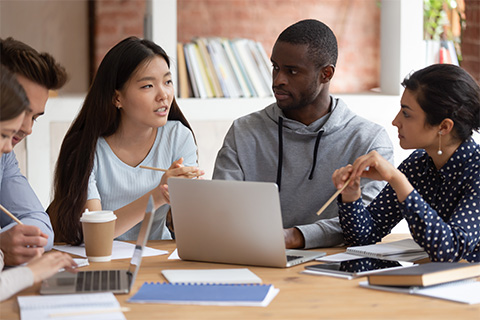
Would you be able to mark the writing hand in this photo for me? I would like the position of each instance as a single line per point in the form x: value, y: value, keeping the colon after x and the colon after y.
x: 22, y: 243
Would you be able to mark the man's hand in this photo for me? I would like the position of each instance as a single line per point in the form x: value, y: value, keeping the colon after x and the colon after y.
x: 22, y: 243
x: 293, y: 238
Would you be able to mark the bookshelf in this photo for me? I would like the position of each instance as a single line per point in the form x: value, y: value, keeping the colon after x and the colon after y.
x: 211, y: 118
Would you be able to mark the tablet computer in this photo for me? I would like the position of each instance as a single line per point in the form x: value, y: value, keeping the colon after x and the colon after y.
x: 356, y: 267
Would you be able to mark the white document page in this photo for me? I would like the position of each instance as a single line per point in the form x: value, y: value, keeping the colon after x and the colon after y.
x: 91, y: 306
x: 208, y: 276
x: 120, y: 250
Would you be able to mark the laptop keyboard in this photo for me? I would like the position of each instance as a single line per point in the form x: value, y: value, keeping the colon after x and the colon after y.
x: 96, y: 280
x: 290, y: 257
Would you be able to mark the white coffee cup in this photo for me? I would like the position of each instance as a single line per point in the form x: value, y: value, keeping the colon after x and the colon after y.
x: 98, y: 231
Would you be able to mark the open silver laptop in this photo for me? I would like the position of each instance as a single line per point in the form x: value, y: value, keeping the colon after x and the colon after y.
x: 116, y: 281
x: 236, y: 222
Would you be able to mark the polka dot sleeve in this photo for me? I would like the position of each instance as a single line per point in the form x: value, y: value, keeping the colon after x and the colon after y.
x: 443, y: 210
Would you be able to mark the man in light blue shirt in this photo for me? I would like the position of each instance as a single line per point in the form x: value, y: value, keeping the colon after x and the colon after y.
x: 37, y: 73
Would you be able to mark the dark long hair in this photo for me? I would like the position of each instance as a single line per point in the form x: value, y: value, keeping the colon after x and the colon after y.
x: 98, y: 117
x: 447, y: 91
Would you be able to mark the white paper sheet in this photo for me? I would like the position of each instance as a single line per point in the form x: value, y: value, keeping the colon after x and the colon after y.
x: 120, y: 250
x: 70, y: 306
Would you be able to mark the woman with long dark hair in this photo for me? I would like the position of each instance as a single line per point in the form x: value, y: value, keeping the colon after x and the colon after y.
x: 129, y: 119
x: 437, y: 188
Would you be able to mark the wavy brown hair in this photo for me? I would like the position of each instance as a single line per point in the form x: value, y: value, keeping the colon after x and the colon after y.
x: 39, y: 67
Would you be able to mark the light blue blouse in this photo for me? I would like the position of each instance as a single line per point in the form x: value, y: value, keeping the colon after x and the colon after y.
x: 117, y: 184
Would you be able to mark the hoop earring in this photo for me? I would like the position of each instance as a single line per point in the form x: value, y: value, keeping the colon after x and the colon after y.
x: 439, y: 152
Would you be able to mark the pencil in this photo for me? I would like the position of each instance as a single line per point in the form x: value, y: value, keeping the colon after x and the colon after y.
x: 10, y: 214
x: 333, y: 197
x: 153, y: 168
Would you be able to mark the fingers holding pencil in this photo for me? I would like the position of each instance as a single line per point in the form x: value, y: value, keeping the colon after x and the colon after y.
x: 177, y: 169
x: 347, y: 183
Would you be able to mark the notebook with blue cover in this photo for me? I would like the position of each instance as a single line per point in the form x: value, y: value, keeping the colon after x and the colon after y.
x: 206, y: 294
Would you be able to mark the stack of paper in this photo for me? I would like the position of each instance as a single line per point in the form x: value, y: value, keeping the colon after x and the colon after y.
x: 92, y: 306
x: 402, y: 250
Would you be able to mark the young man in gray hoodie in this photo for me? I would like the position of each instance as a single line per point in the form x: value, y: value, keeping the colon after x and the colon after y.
x: 300, y: 140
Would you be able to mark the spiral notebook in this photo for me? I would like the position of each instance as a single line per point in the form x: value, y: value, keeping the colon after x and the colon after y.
x: 206, y: 294
x: 402, y: 250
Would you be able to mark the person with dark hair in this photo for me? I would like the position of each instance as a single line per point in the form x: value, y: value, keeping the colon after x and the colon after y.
x: 129, y: 119
x: 437, y: 188
x: 36, y: 73
x: 301, y: 139
x: 13, y: 106
x: 14, y: 102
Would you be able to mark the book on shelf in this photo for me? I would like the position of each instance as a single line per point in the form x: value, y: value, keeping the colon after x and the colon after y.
x: 223, y: 68
x: 251, y: 67
x: 196, y: 76
x: 236, y: 69
x: 190, y: 72
x: 463, y: 291
x: 401, y: 250
x: 203, y: 71
x: 243, y: 70
x: 183, y: 85
x: 261, y: 63
x: 207, y: 63
x: 206, y: 294
x: 219, y: 67
x: 426, y: 274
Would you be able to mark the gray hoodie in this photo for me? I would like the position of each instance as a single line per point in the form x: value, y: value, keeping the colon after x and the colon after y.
x: 267, y: 146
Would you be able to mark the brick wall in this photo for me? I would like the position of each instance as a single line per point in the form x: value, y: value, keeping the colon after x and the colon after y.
x: 356, y: 24
x: 471, y: 39
x: 113, y: 21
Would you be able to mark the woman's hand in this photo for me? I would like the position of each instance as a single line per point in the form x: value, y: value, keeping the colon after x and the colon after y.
x: 178, y: 170
x: 340, y: 176
x: 45, y: 266
x: 375, y: 167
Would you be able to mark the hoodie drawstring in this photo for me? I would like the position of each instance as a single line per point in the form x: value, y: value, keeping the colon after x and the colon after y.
x: 315, y: 149
x: 280, y: 153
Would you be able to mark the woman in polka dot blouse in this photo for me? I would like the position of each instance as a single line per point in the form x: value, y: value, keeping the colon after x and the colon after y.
x: 437, y: 188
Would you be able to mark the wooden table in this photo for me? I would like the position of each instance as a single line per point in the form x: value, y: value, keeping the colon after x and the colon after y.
x: 301, y: 296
